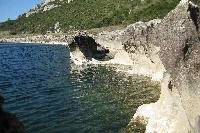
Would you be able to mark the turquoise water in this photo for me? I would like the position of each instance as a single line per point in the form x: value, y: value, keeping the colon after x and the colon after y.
x: 48, y: 97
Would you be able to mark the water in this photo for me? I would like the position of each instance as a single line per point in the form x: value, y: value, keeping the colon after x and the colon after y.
x: 48, y: 97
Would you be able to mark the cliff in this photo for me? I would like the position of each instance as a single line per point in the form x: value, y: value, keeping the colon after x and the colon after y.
x: 179, y: 53
x: 177, y: 36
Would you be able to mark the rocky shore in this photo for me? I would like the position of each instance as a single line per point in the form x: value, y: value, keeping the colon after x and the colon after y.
x: 166, y: 50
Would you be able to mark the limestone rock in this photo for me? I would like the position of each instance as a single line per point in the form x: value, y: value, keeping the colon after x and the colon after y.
x: 178, y: 38
x: 138, y: 36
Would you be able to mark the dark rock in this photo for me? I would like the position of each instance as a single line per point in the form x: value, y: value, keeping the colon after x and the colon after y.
x: 1, y: 103
x: 9, y: 122
x: 88, y: 46
x: 170, y: 86
x: 194, y: 14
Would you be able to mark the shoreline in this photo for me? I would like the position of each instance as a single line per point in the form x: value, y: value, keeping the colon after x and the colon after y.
x: 38, y: 39
x: 39, y: 43
x: 19, y: 40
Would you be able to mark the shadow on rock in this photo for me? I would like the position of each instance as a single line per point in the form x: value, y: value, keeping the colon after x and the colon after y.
x: 88, y: 46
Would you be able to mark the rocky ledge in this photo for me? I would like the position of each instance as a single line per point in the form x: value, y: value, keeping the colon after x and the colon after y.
x: 8, y: 122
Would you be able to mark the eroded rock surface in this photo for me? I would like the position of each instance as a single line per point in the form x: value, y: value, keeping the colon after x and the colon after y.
x: 89, y: 48
x: 180, y: 53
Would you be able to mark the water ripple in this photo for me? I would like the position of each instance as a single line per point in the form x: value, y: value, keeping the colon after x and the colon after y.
x: 48, y: 98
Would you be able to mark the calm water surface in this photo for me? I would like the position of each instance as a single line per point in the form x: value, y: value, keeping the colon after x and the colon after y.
x: 48, y: 97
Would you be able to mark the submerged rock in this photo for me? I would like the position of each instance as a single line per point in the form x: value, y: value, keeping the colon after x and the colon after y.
x: 8, y: 122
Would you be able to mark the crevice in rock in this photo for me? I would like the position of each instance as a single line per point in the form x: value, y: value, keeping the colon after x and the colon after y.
x: 170, y: 86
x: 194, y: 14
x: 197, y: 67
x: 188, y: 45
x: 185, y: 50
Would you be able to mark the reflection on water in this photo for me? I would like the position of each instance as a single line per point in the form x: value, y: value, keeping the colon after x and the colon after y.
x: 39, y: 87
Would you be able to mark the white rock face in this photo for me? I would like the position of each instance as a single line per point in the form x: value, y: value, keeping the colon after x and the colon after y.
x: 44, y: 6
x: 69, y: 1
x: 47, y: 1
x: 167, y: 115
x: 57, y: 28
x: 49, y: 7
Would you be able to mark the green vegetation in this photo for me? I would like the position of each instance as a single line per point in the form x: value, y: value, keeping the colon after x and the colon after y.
x: 88, y: 14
